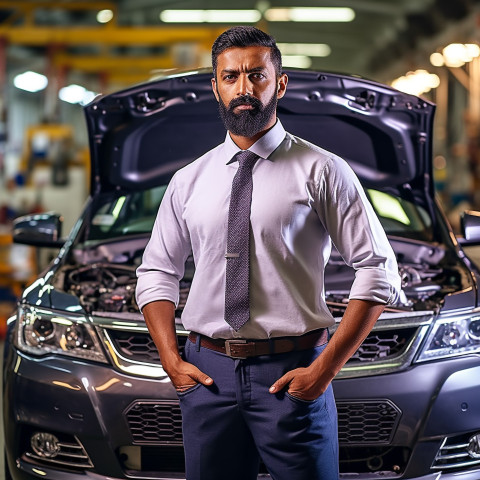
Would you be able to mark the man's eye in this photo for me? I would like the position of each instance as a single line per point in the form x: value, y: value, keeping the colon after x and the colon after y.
x: 257, y: 76
x: 229, y: 77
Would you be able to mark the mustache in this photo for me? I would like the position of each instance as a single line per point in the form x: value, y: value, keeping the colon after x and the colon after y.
x: 245, y: 100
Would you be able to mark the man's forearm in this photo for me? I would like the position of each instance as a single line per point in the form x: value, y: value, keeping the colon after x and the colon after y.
x: 160, y: 319
x: 358, y: 320
x: 309, y: 383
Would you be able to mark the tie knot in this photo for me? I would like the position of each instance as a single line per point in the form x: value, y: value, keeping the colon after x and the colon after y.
x: 246, y: 158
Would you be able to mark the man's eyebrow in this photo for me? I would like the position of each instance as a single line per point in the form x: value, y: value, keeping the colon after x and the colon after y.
x: 250, y: 70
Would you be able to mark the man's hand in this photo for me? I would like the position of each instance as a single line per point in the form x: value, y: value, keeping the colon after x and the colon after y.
x: 160, y: 320
x: 302, y: 383
x: 185, y: 376
x: 309, y: 383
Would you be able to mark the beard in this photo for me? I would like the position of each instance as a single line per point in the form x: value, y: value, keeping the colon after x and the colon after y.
x: 247, y: 123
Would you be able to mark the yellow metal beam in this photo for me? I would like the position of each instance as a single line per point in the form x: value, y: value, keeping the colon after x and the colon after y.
x: 61, y: 5
x: 41, y: 36
x: 115, y: 79
x: 93, y: 64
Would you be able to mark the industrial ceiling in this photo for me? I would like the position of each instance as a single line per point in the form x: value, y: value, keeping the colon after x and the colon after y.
x: 384, y: 39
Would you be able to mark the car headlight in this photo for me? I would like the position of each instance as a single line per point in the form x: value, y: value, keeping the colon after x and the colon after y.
x: 42, y: 332
x: 452, y: 337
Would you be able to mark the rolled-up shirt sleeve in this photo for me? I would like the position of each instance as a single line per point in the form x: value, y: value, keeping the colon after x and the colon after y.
x: 163, y: 262
x: 357, y: 234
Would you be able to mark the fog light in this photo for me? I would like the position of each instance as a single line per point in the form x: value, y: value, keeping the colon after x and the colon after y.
x: 473, y: 448
x: 45, y: 444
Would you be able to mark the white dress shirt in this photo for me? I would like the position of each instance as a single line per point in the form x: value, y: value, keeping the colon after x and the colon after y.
x: 303, y: 199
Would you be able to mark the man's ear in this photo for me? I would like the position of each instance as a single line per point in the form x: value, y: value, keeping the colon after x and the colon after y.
x: 282, y: 85
x: 214, y: 88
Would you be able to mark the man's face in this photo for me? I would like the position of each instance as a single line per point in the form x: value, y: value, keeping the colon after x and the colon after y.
x: 247, y: 89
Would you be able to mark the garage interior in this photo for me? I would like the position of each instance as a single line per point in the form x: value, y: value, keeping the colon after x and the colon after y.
x: 56, y: 56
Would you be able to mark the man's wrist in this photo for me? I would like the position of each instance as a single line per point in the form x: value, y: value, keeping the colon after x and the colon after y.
x: 171, y: 360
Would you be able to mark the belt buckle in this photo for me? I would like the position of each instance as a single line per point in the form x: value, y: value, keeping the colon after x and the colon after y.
x: 228, y: 350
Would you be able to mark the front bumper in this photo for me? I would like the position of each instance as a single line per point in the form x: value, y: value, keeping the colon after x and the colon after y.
x: 89, y: 402
x: 28, y: 472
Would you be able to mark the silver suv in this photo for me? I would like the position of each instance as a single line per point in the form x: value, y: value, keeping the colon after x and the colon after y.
x: 85, y: 395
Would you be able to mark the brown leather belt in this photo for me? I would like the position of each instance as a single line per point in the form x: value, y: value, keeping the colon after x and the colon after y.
x: 240, y: 348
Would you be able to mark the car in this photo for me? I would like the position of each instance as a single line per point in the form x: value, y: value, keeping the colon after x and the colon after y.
x: 84, y: 392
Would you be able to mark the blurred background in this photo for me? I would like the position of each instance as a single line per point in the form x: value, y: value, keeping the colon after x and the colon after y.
x: 55, y: 56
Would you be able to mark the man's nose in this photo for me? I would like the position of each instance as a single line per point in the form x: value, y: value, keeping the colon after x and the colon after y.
x: 244, y: 86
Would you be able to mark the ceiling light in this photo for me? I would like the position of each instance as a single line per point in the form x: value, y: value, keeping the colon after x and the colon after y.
x: 437, y: 60
x: 182, y: 16
x: 473, y: 50
x: 210, y: 16
x: 455, y: 55
x: 72, y: 94
x: 104, y: 16
x: 296, y: 61
x: 88, y: 96
x: 236, y: 16
x: 417, y: 82
x: 310, y: 14
x: 76, y: 94
x: 30, y: 81
x: 309, y: 49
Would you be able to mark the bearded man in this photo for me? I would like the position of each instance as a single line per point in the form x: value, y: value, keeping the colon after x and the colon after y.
x: 259, y: 214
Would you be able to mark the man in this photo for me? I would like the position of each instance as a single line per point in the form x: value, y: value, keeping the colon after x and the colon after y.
x: 255, y: 378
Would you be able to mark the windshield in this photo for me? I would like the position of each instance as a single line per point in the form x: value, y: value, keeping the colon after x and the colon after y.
x: 130, y: 214
x: 135, y: 213
x: 401, y: 218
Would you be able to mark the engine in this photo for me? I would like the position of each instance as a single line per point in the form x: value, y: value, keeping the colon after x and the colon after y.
x: 109, y: 287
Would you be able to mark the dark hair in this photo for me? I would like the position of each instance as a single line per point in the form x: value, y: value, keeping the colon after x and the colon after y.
x: 246, y: 36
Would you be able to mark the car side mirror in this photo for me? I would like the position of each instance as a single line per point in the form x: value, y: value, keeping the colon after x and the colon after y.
x: 470, y: 225
x: 39, y: 230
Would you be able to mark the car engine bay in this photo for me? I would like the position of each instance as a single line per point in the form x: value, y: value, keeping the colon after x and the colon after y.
x: 106, y: 280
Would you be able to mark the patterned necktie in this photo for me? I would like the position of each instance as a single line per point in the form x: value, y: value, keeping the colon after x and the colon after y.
x: 237, y: 300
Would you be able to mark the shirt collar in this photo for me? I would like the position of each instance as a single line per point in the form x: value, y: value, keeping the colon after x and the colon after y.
x: 263, y: 147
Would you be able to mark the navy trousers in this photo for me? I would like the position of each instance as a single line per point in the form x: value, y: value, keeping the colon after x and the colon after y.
x: 229, y: 426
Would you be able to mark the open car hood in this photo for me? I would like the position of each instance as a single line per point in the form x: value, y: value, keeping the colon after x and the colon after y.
x: 140, y: 136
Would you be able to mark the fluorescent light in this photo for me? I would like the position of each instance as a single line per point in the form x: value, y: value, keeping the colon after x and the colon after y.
x: 76, y: 94
x: 309, y: 49
x: 210, y: 16
x: 72, y: 94
x: 310, y: 14
x: 182, y: 16
x: 234, y: 16
x: 30, y: 81
x: 104, y: 16
x: 296, y: 61
x: 88, y: 97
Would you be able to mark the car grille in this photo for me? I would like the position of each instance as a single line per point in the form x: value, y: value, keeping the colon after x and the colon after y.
x: 369, y: 422
x: 378, y: 346
x: 139, y: 346
x: 155, y: 422
x: 383, y: 344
